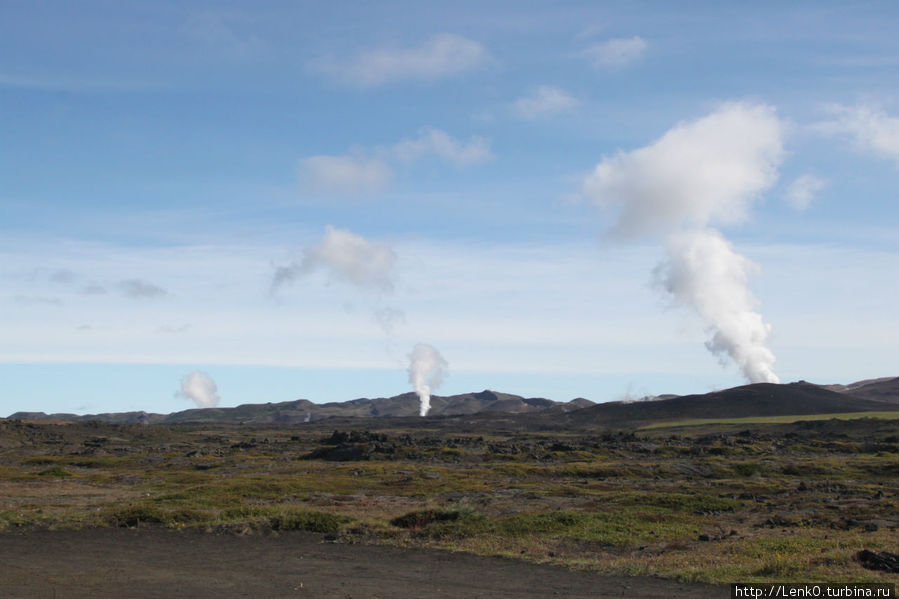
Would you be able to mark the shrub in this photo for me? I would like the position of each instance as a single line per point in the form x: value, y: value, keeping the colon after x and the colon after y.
x: 55, y: 472
x: 311, y: 521
x: 130, y: 516
x: 421, y: 519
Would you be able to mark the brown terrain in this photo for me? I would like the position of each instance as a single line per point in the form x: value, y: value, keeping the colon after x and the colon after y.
x: 159, y: 563
x: 498, y: 496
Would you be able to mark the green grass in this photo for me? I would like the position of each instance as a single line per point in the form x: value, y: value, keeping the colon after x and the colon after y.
x: 55, y: 472
x: 696, y: 503
x: 771, y: 419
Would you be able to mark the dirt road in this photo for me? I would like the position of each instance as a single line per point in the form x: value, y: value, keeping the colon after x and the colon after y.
x: 163, y: 563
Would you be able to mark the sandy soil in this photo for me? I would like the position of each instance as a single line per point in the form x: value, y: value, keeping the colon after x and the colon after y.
x: 164, y: 563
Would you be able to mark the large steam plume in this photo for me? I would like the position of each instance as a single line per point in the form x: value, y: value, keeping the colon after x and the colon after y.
x: 708, y: 171
x: 426, y: 371
x: 703, y: 271
x: 200, y: 387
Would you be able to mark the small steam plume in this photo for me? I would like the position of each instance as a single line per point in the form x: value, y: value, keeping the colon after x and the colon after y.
x: 426, y: 371
x: 707, y: 171
x: 366, y: 265
x: 200, y: 387
x: 345, y: 256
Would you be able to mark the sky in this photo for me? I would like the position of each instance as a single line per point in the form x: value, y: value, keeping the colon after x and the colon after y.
x: 244, y: 202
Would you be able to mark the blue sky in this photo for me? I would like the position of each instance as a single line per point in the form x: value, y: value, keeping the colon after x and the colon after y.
x: 444, y: 174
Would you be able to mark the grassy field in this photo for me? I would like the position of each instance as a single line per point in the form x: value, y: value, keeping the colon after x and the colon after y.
x: 772, y: 419
x: 774, y: 500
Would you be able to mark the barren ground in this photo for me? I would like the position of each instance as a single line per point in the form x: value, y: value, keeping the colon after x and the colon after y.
x: 165, y: 563
x: 92, y: 510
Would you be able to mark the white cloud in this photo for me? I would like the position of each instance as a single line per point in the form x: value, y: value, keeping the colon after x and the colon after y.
x: 700, y: 172
x: 442, y: 55
x: 803, y: 190
x: 545, y: 101
x: 138, y: 289
x: 616, y: 53
x: 437, y: 142
x: 344, y: 256
x: 345, y: 174
x: 870, y: 128
x: 360, y: 174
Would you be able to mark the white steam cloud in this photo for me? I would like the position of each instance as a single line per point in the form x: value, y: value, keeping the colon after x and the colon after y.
x: 345, y: 256
x: 870, y: 127
x: 200, y: 387
x: 803, y: 190
x: 426, y: 371
x: 705, y: 273
x: 699, y: 173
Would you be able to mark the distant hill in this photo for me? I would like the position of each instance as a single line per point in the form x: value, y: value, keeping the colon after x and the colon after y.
x: 883, y: 389
x: 303, y: 410
x: 760, y: 399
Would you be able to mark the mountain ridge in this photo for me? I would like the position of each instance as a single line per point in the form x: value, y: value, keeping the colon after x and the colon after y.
x: 302, y: 410
x: 759, y: 399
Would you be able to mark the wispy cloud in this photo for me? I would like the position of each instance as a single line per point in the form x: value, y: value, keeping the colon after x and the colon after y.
x: 221, y: 33
x: 345, y: 256
x: 617, y: 52
x: 494, y: 306
x: 544, y: 101
x: 129, y: 288
x: 439, y: 143
x: 37, y: 300
x: 367, y: 265
x: 443, y: 55
x: 370, y: 172
x: 803, y: 190
x: 173, y: 330
x: 93, y: 289
x: 870, y: 128
x: 344, y: 174
x: 138, y: 289
x: 388, y: 317
x: 76, y: 82
x: 62, y: 276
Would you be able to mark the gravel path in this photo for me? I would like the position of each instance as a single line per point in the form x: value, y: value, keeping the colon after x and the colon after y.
x: 162, y: 563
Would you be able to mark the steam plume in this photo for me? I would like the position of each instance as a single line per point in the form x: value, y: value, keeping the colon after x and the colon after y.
x: 200, y: 387
x: 699, y: 173
x: 426, y: 371
x: 345, y: 256
x: 703, y: 271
